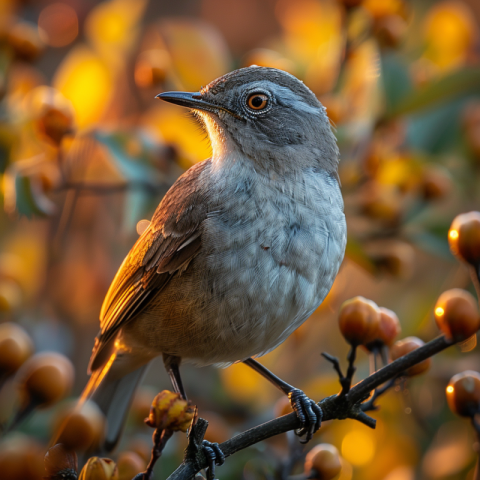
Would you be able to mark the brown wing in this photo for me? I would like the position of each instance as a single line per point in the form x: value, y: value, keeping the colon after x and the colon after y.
x: 170, y: 242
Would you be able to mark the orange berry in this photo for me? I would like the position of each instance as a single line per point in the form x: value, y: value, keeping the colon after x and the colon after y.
x: 45, y: 378
x: 463, y: 393
x: 99, y: 469
x: 351, y: 3
x: 141, y: 404
x: 53, y: 113
x: 387, y: 329
x: 436, y: 183
x: 407, y: 345
x: 141, y: 447
x: 170, y: 411
x: 456, y: 314
x: 25, y: 41
x: 464, y: 237
x: 151, y: 68
x: 394, y: 257
x: 322, y: 462
x: 358, y: 318
x: 15, y: 347
x: 60, y: 463
x: 129, y: 464
x: 21, y: 458
x: 79, y: 427
x: 390, y: 30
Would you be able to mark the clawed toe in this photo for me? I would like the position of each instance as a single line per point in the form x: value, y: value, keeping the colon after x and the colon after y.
x: 214, y: 456
x: 308, y: 412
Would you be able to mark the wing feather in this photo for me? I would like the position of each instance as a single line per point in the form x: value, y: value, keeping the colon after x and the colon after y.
x: 171, y: 241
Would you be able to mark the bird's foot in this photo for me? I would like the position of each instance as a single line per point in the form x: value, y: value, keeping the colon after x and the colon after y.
x: 308, y: 412
x: 214, y: 456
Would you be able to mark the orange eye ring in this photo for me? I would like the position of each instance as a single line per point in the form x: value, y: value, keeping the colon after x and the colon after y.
x: 257, y: 101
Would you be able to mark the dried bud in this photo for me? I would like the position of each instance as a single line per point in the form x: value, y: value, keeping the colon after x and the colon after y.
x: 322, y: 462
x: 387, y: 329
x: 79, y: 426
x: 129, y: 464
x: 45, y: 378
x: 463, y: 393
x: 407, y: 345
x: 15, y: 347
x: 60, y: 463
x: 25, y: 41
x: 53, y: 114
x: 464, y: 237
x: 358, y: 318
x: 99, y: 469
x: 456, y: 314
x: 170, y: 411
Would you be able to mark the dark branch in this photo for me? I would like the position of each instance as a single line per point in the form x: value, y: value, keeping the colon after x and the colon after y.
x: 334, y: 407
x: 108, y: 188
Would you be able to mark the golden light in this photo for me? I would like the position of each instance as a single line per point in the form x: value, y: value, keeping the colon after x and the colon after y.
x: 142, y: 225
x: 453, y: 234
x: 449, y: 33
x: 111, y: 25
x: 439, y: 311
x: 358, y: 447
x: 450, y: 389
x: 58, y: 24
x: 85, y: 80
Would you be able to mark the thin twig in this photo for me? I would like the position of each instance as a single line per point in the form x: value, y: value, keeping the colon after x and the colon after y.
x: 369, y: 405
x: 160, y: 439
x: 334, y: 407
x: 107, y: 188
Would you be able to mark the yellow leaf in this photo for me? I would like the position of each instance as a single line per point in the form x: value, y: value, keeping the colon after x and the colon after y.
x: 85, y: 80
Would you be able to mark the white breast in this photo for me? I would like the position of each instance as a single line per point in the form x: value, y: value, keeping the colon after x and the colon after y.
x: 274, y: 249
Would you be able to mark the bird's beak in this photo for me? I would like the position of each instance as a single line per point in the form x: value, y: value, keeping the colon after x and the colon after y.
x: 185, y: 99
x: 192, y: 100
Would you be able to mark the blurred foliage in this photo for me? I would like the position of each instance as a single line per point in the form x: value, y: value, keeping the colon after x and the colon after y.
x: 86, y: 153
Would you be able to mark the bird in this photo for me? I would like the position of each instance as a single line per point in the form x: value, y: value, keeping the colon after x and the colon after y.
x: 241, y: 250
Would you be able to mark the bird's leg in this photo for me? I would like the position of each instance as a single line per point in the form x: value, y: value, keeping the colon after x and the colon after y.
x: 172, y: 366
x: 308, y: 412
x: 211, y: 450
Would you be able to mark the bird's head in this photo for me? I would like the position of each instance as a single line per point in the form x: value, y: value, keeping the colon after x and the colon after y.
x: 267, y: 115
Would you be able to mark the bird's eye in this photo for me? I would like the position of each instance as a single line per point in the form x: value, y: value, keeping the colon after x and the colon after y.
x: 257, y: 101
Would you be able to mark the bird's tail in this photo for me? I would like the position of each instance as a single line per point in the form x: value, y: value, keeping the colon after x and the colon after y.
x: 113, y: 394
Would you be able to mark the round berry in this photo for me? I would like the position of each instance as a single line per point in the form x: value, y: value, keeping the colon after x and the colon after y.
x: 464, y: 237
x: 456, y: 314
x: 323, y: 462
x: 358, y: 319
x: 407, y: 345
x: 463, y: 393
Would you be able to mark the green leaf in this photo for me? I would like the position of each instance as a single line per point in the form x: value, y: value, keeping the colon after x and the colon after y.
x: 396, y: 81
x: 457, y: 83
x: 24, y: 192
x: 134, y: 169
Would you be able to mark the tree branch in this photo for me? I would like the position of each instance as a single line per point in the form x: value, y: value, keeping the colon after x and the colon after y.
x: 334, y: 407
x: 107, y: 188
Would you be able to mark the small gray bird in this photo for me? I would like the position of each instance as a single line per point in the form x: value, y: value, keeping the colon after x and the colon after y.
x: 240, y: 251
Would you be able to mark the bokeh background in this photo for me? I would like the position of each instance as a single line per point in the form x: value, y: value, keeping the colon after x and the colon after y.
x: 86, y: 154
